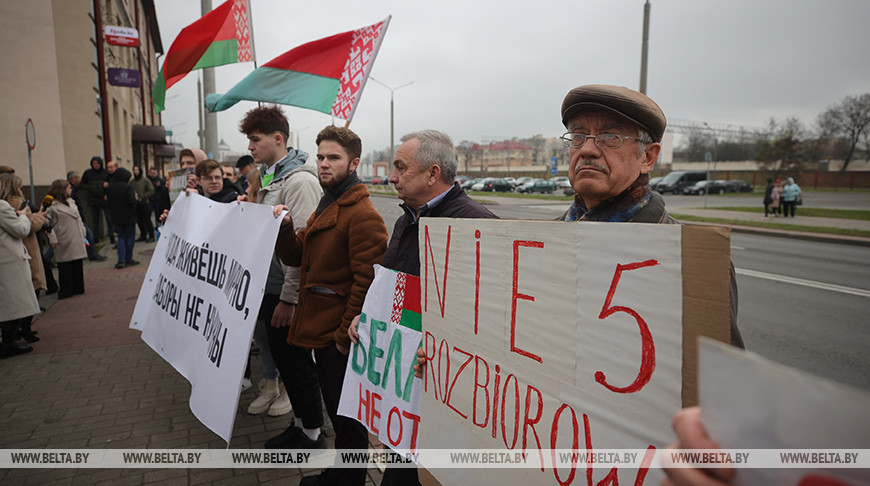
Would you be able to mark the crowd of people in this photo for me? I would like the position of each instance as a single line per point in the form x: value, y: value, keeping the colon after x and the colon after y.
x: 330, y: 239
x: 55, y: 234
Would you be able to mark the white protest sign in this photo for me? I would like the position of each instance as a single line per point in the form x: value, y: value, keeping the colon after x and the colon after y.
x: 380, y: 389
x: 177, y: 182
x: 748, y: 402
x: 548, y: 335
x: 201, y: 295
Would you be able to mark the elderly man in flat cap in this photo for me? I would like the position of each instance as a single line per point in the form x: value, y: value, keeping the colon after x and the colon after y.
x: 613, y: 136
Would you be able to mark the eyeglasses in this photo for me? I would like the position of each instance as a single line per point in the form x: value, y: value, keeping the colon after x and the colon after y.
x: 602, y: 140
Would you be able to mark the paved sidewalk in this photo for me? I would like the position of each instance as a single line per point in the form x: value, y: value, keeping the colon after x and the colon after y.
x: 92, y: 383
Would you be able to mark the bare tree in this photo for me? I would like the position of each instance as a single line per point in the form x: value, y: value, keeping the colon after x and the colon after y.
x: 849, y: 119
x: 784, y: 146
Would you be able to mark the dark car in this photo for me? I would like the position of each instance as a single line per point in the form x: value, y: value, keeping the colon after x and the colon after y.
x: 539, y: 186
x: 737, y: 185
x: 676, y: 181
x: 498, y: 185
x: 705, y: 187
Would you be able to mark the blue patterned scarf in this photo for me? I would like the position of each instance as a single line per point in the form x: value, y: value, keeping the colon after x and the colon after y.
x: 618, y: 209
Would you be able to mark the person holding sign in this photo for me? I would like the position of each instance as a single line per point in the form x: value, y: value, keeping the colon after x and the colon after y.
x: 336, y: 252
x: 286, y: 177
x: 424, y: 172
x: 613, y: 138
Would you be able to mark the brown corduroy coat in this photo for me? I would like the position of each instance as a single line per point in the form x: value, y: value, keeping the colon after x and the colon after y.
x: 335, y: 252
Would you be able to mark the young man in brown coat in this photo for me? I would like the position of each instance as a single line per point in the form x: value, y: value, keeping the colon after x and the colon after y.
x: 336, y: 252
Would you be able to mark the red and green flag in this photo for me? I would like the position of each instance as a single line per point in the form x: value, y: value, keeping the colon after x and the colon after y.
x: 222, y: 36
x: 326, y: 75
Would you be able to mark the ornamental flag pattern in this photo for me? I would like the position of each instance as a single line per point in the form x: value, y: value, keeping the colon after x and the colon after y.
x: 363, y: 50
x: 398, y: 299
x: 243, y: 30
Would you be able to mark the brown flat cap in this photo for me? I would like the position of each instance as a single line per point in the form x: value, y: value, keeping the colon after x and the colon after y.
x: 635, y: 106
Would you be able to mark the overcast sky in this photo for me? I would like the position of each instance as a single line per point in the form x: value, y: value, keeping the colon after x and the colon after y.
x: 487, y: 70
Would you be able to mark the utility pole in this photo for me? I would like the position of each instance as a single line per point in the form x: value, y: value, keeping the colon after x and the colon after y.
x: 644, y: 47
x: 392, y: 114
x: 208, y: 86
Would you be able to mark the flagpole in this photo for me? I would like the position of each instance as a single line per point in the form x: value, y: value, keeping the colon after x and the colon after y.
x: 251, y: 24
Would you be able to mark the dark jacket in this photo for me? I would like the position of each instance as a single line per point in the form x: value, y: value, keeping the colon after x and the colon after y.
x: 160, y: 199
x: 403, y: 253
x: 335, y: 253
x: 228, y: 193
x: 92, y: 185
x: 121, y: 198
x: 143, y: 187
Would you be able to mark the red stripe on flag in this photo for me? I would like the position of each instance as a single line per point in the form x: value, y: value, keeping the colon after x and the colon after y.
x: 193, y: 41
x: 323, y: 57
x: 412, y: 294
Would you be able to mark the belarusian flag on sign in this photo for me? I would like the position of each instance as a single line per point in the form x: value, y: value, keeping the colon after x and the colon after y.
x: 222, y: 36
x: 325, y: 75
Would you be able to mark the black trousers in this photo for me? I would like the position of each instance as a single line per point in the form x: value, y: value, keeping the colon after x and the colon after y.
x: 143, y: 219
x: 349, y: 434
x: 296, y: 368
x: 788, y: 208
x: 72, y: 279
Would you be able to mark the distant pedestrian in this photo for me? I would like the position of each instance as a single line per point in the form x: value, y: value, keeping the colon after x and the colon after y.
x: 776, y: 196
x: 768, y: 197
x: 790, y: 194
x: 144, y: 192
x: 122, y: 206
x: 93, y: 185
x: 160, y: 199
x: 67, y: 237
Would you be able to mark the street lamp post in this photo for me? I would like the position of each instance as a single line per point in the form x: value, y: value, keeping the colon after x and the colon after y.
x: 708, y: 157
x: 392, y: 117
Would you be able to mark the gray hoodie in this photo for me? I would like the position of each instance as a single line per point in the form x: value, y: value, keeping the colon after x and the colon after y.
x: 296, y: 185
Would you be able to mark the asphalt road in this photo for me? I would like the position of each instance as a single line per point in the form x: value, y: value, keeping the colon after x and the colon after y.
x: 804, y: 304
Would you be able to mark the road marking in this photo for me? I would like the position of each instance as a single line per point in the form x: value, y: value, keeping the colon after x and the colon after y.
x: 805, y: 283
x: 737, y: 247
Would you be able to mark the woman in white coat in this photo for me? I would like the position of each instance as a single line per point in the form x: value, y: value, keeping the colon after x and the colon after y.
x: 67, y: 237
x: 17, y: 299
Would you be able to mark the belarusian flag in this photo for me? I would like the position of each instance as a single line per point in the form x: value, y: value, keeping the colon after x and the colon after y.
x: 222, y: 36
x: 325, y: 75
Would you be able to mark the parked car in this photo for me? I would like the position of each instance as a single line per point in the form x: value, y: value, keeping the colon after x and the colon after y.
x: 382, y: 180
x: 466, y: 186
x: 478, y: 186
x: 654, y: 182
x: 705, y: 187
x: 522, y: 180
x: 539, y: 186
x: 737, y: 185
x: 498, y: 185
x: 676, y: 181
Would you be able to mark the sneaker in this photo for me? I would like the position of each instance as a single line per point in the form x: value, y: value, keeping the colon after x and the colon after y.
x: 269, y: 392
x: 120, y: 265
x: 132, y: 262
x: 98, y: 258
x: 281, y: 405
x: 246, y: 383
x: 295, y: 438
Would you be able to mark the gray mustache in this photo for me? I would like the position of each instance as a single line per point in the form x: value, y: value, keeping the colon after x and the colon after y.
x: 591, y: 163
